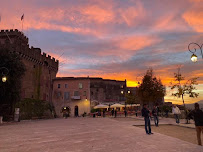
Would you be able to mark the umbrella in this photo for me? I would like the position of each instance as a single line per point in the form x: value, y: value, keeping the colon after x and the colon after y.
x: 101, y: 106
x: 133, y: 105
x: 117, y: 105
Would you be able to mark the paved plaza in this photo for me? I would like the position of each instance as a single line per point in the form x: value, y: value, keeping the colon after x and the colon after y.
x: 86, y: 135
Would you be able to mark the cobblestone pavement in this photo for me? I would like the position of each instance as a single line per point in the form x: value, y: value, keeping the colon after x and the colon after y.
x: 86, y: 135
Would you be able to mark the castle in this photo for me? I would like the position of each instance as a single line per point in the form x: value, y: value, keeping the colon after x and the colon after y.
x: 40, y: 68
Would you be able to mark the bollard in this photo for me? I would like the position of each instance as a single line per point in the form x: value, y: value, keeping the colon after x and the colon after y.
x: 17, y: 114
x: 1, y: 119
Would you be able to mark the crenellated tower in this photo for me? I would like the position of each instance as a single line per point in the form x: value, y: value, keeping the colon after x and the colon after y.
x: 41, y: 68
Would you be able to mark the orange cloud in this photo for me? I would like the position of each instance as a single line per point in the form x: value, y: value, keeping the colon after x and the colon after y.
x: 194, y: 19
x: 131, y: 14
x: 194, y: 15
x: 137, y: 42
x: 97, y: 14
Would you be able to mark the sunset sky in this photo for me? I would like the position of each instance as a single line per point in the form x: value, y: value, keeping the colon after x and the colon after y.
x: 114, y: 39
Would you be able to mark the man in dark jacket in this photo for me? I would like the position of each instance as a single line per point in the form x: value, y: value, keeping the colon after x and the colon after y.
x: 197, y: 115
x: 145, y: 114
x: 155, y: 115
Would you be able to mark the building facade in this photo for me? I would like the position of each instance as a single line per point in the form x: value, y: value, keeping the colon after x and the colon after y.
x: 80, y: 94
x: 40, y: 68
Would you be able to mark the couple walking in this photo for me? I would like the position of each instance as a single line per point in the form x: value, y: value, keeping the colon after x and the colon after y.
x: 146, y: 115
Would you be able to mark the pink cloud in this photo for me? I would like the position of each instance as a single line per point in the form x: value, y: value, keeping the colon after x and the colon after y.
x: 194, y: 19
x: 137, y: 42
x: 95, y: 13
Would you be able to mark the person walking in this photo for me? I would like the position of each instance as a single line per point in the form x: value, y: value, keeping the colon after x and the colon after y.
x: 145, y: 114
x: 112, y: 112
x: 155, y: 115
x: 176, y: 112
x: 197, y: 115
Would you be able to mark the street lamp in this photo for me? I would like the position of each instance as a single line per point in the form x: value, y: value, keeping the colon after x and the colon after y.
x: 194, y: 56
x: 4, y: 78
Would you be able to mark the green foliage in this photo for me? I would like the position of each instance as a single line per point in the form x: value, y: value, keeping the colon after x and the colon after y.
x: 151, y: 88
x: 164, y: 108
x: 181, y: 88
x: 94, y: 110
x: 32, y: 108
x: 131, y: 98
x: 10, y: 90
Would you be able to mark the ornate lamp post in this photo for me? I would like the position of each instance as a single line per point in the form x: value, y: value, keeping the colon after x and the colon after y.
x: 194, y: 56
x: 5, y: 72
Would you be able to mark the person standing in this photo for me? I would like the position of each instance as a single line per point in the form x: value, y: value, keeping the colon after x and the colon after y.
x: 155, y: 115
x: 145, y: 114
x: 125, y: 112
x: 197, y: 115
x: 115, y: 113
x: 176, y: 112
x: 104, y: 112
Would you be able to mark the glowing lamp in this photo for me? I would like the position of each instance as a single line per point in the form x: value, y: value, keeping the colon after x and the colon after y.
x: 194, y: 58
x: 4, y: 79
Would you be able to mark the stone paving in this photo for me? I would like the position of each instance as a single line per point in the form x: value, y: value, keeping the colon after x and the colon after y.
x: 165, y: 121
x: 86, y: 135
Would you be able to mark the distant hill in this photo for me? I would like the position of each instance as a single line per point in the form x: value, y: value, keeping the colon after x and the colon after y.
x: 191, y: 106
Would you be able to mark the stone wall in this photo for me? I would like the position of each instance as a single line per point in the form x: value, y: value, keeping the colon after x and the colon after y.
x: 72, y: 85
x: 40, y: 68
x: 109, y: 91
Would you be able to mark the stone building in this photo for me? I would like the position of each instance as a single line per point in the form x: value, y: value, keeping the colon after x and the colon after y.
x: 81, y: 94
x: 40, y: 68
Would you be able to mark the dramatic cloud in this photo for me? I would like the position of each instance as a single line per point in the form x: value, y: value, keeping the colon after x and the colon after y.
x: 114, y: 39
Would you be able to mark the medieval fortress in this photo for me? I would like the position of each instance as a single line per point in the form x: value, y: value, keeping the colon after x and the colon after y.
x: 41, y: 68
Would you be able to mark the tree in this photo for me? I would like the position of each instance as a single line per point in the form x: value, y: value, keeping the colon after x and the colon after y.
x: 131, y: 98
x: 10, y: 90
x: 151, y: 90
x: 32, y: 108
x: 182, y: 88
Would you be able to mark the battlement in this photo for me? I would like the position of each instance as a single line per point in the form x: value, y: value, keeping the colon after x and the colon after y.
x: 14, y: 33
x: 16, y: 41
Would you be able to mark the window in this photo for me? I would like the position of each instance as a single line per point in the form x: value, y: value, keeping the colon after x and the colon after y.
x: 76, y: 93
x: 80, y: 85
x: 85, y: 93
x: 66, y: 95
x: 66, y: 85
x: 59, y: 85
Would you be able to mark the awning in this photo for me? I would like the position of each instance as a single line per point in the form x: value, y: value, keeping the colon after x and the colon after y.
x: 117, y: 105
x: 101, y: 106
x: 132, y: 105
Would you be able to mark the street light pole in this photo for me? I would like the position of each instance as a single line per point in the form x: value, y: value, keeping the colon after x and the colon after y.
x: 194, y: 56
x: 4, y: 78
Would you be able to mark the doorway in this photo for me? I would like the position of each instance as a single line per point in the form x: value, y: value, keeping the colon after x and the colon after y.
x: 76, y: 111
x: 65, y: 111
